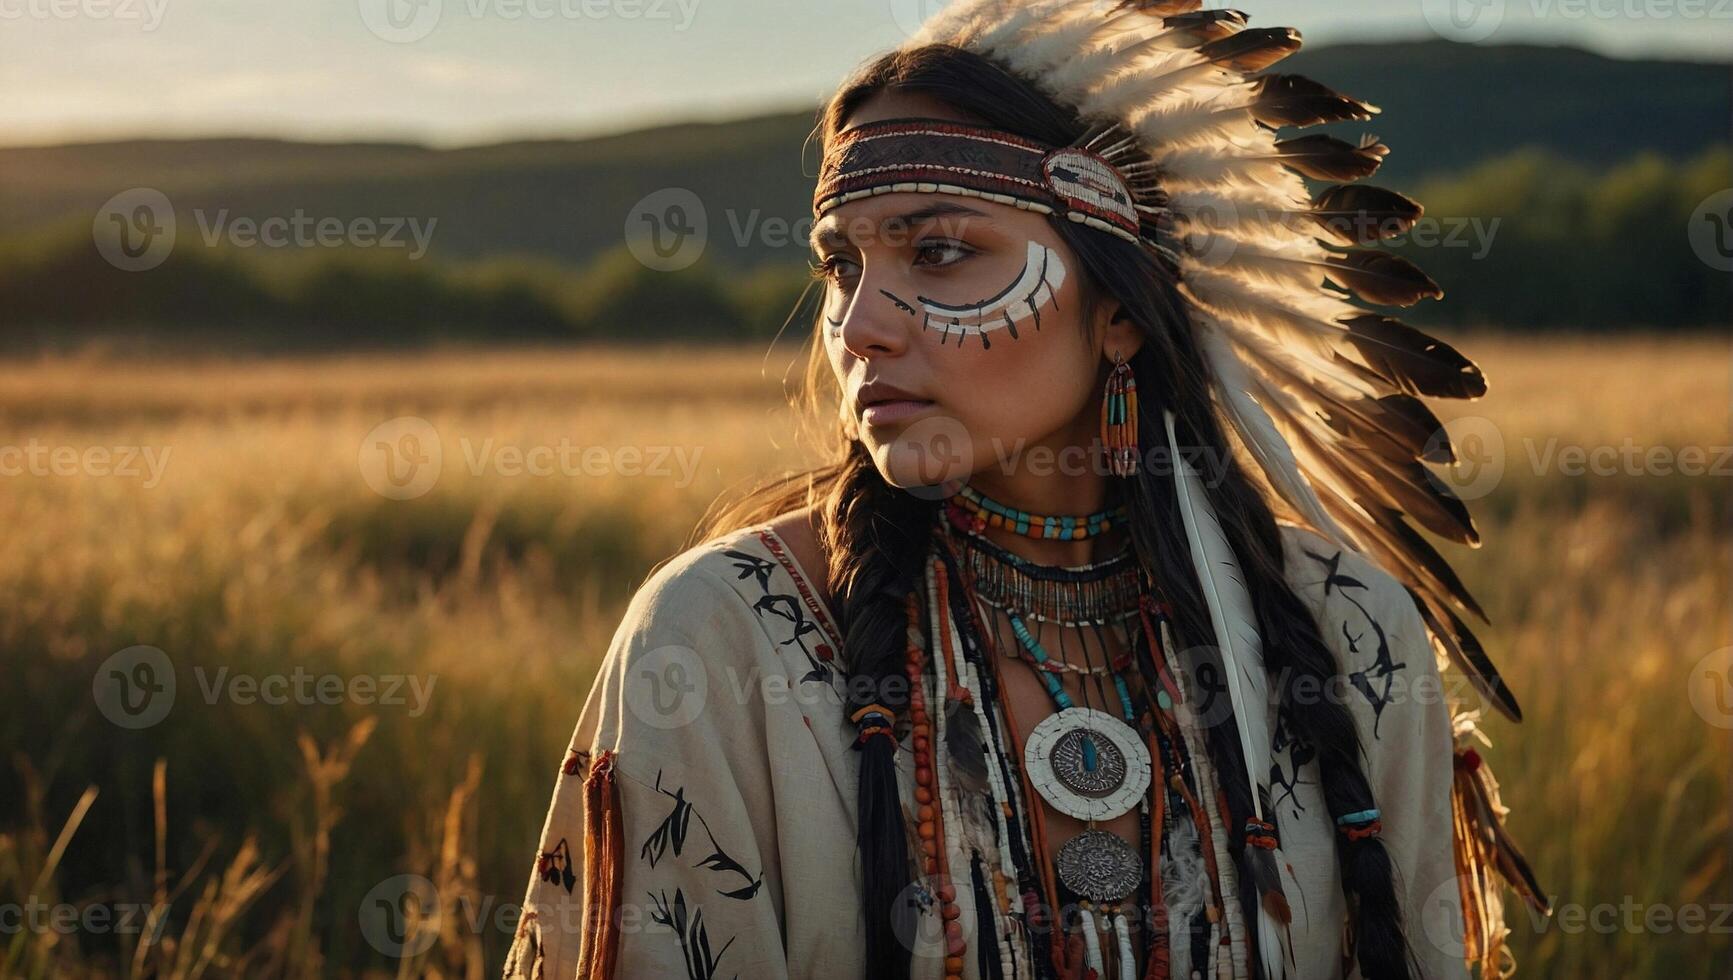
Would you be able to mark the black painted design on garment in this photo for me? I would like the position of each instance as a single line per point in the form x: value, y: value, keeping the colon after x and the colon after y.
x: 670, y: 835
x: 1376, y: 680
x: 688, y: 926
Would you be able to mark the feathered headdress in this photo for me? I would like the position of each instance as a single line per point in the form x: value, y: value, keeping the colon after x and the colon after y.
x: 1322, y: 392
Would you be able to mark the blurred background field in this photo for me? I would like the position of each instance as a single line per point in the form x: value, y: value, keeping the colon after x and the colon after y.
x: 263, y: 548
x: 1577, y: 175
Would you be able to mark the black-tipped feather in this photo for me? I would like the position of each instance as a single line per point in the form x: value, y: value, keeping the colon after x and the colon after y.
x: 1204, y: 26
x: 1381, y: 278
x: 1253, y: 50
x: 1328, y: 158
x: 1359, y: 214
x: 1161, y: 8
x: 1466, y: 654
x: 1412, y: 361
x: 1295, y: 100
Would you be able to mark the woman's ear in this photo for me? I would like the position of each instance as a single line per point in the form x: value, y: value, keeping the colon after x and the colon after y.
x: 1118, y: 332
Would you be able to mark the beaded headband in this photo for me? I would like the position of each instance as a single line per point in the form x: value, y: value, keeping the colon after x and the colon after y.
x: 1096, y: 181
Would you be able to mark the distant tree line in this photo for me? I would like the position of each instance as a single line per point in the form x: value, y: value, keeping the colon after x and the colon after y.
x: 1527, y: 242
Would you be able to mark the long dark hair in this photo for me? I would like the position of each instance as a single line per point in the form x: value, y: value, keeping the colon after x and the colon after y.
x: 875, y: 537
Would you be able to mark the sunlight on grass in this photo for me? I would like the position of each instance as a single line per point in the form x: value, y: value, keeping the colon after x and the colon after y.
x: 259, y: 547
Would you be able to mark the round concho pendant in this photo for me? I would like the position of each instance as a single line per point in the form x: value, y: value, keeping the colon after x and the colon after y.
x: 1087, y: 763
x: 1099, y: 866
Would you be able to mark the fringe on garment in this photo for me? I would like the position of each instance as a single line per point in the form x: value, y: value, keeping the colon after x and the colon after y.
x: 599, y: 954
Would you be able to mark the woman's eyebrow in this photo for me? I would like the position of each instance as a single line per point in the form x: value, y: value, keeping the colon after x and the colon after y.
x: 831, y: 234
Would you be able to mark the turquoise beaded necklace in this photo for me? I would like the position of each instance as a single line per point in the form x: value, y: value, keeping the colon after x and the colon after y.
x: 984, y: 512
x: 1056, y: 690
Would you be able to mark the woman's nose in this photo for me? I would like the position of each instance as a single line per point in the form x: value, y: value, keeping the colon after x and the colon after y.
x: 877, y: 320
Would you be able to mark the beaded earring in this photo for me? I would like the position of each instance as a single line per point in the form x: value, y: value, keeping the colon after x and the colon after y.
x: 1119, y: 418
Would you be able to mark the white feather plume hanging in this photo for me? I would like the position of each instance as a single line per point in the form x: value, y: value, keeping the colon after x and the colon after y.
x: 1236, y: 630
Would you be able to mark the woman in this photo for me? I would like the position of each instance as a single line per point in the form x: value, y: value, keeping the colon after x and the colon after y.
x: 1030, y: 681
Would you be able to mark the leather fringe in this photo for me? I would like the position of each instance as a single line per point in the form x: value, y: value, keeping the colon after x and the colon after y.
x: 599, y: 952
x: 1485, y: 853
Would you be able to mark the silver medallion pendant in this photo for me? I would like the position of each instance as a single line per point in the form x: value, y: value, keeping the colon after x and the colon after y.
x: 1087, y: 763
x: 1100, y: 866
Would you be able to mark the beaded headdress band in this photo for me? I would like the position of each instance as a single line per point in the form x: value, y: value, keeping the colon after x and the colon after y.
x: 1093, y: 181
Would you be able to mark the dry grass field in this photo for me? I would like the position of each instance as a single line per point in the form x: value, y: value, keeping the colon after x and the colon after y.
x: 221, y: 513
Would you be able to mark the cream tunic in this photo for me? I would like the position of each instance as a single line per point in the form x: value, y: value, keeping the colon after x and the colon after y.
x: 719, y: 707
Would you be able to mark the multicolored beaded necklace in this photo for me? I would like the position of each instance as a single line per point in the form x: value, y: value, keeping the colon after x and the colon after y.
x: 984, y: 513
x: 1083, y: 761
x: 1090, y: 762
x: 1095, y: 593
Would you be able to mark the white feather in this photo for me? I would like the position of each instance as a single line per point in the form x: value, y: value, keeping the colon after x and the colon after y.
x: 1259, y: 433
x: 1231, y: 615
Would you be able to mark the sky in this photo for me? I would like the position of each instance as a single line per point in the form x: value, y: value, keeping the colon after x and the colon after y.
x: 457, y: 72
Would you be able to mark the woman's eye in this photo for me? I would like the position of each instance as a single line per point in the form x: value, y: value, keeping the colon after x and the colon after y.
x: 941, y: 252
x: 836, y: 268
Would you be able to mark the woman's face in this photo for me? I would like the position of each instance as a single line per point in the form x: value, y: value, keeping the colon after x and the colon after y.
x: 973, y: 312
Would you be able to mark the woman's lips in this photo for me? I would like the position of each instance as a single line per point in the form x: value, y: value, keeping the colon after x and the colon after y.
x: 886, y: 412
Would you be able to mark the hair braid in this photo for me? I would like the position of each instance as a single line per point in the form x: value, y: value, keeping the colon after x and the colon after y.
x: 882, y: 534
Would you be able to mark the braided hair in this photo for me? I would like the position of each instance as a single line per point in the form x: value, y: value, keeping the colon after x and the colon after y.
x: 875, y: 537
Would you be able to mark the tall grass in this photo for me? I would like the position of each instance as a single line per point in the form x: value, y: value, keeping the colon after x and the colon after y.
x: 261, y: 837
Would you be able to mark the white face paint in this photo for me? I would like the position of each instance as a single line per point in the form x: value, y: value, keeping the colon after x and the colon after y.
x: 1043, y: 273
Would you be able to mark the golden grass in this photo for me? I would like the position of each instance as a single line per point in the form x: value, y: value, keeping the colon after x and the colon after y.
x: 262, y: 549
